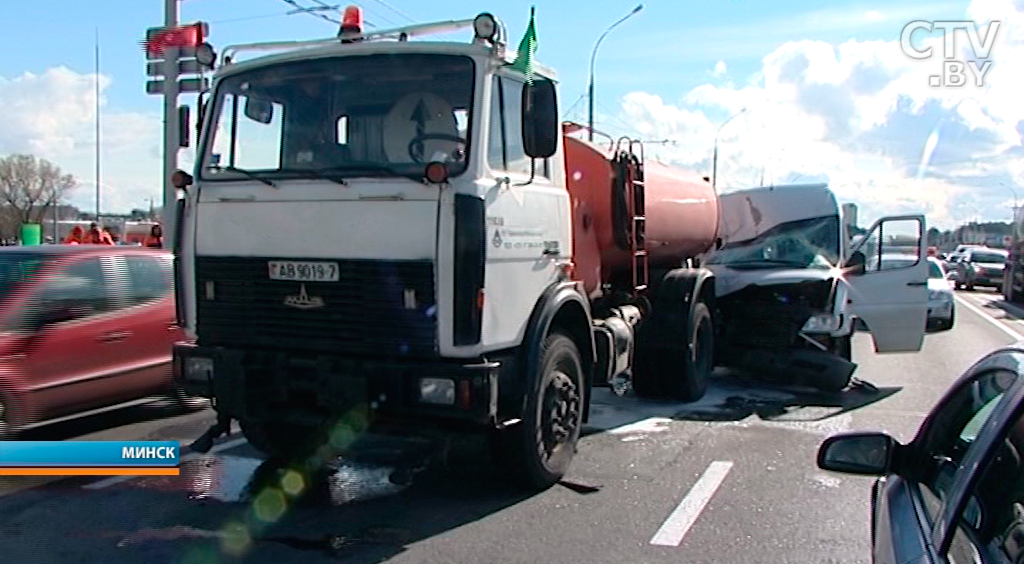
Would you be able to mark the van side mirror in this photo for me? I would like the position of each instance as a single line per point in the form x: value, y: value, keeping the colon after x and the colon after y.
x: 540, y: 119
x: 856, y: 264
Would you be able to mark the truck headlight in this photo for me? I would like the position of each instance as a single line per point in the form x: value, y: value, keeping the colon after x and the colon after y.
x: 437, y: 390
x: 821, y: 323
x: 198, y: 369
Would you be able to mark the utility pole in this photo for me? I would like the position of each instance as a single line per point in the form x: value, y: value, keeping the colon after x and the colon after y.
x: 593, y: 56
x: 171, y: 142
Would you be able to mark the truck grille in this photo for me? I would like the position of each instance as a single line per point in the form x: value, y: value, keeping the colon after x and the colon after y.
x: 376, y: 308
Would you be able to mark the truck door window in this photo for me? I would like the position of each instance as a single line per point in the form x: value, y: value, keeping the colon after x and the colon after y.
x: 505, y: 147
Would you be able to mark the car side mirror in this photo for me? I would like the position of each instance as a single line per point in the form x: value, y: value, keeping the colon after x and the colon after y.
x: 868, y: 454
x: 50, y: 315
x: 856, y: 264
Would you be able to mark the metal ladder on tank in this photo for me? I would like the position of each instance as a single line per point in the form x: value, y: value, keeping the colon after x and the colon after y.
x: 631, y: 166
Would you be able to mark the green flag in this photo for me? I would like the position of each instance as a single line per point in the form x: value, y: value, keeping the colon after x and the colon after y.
x: 527, y: 47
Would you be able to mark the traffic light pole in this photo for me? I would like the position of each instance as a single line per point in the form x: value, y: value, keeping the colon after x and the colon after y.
x: 171, y: 145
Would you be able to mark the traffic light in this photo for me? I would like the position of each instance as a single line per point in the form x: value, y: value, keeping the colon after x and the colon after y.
x: 187, y: 37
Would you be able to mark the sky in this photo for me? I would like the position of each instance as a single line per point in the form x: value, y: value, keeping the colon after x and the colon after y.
x: 826, y: 93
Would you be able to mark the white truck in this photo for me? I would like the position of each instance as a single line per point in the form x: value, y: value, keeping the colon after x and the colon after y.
x: 480, y: 270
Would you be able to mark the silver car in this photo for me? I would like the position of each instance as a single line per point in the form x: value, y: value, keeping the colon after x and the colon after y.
x: 941, y: 310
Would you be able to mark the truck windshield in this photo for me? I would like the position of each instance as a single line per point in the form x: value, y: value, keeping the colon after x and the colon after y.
x: 369, y: 115
x: 808, y: 243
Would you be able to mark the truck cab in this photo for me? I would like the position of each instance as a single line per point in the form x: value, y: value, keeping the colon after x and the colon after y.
x: 789, y: 294
x: 373, y: 231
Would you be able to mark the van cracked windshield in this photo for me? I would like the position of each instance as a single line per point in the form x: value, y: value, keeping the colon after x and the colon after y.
x: 542, y: 282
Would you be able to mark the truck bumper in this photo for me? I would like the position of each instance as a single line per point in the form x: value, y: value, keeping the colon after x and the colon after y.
x: 310, y: 388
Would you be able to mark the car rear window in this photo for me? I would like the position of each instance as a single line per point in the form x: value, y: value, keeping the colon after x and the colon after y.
x: 988, y: 257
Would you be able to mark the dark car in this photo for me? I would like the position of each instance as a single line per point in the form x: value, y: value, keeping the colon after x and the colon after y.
x: 83, y: 327
x: 955, y: 493
x: 981, y: 267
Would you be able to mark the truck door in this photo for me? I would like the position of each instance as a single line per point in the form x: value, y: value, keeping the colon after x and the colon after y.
x: 891, y: 294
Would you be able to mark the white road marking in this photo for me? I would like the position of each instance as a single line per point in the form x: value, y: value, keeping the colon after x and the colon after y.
x: 114, y: 480
x: 689, y: 509
x: 998, y: 324
x: 649, y: 425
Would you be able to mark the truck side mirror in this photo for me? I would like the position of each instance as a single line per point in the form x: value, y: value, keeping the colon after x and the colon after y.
x: 184, y: 132
x: 260, y: 111
x: 540, y: 119
x: 856, y: 264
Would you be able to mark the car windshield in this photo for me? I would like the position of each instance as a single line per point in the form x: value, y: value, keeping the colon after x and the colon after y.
x: 935, y: 271
x: 809, y: 243
x: 371, y: 115
x: 988, y: 257
x: 18, y: 268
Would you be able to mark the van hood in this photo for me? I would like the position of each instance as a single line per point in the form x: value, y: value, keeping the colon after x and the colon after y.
x: 731, y: 280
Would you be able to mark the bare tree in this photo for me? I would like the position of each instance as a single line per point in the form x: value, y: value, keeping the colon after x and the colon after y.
x: 29, y: 187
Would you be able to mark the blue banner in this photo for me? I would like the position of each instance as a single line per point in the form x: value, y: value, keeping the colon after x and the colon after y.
x: 89, y: 454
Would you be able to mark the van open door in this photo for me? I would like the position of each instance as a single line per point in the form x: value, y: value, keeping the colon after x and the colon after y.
x: 888, y: 278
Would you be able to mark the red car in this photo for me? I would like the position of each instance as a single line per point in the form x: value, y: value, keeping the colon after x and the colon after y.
x: 83, y: 327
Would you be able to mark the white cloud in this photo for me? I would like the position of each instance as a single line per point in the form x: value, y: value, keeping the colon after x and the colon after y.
x: 860, y: 114
x: 720, y: 68
x: 53, y: 115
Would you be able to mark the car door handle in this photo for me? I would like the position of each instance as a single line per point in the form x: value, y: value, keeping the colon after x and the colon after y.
x: 917, y: 283
x: 114, y: 336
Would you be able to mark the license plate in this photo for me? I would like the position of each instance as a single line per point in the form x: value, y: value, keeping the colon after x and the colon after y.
x: 303, y: 271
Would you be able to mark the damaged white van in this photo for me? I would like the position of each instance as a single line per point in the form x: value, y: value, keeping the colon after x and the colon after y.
x: 790, y: 287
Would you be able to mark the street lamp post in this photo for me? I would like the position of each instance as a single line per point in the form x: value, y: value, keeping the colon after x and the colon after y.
x: 714, y: 158
x: 593, y: 55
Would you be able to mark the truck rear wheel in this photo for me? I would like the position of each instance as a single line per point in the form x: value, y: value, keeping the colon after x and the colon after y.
x: 537, y: 451
x: 679, y: 359
x: 686, y: 374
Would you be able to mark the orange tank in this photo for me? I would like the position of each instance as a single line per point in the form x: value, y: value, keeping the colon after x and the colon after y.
x: 681, y: 212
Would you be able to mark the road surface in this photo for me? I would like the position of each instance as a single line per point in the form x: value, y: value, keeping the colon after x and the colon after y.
x: 729, y: 479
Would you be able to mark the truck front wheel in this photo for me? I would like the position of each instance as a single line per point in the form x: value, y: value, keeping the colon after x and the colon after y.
x: 537, y: 451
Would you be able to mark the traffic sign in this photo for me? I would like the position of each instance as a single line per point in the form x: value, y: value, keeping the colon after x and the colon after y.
x: 185, y: 66
x: 185, y: 85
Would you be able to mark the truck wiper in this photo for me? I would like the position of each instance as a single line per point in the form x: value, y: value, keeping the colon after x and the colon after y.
x: 361, y: 169
x: 247, y: 173
x: 317, y: 173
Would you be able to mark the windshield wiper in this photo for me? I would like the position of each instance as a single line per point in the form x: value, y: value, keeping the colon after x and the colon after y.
x: 317, y: 173
x: 358, y: 169
x: 246, y: 173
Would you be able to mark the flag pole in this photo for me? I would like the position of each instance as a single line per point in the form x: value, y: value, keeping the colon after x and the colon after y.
x: 97, y: 124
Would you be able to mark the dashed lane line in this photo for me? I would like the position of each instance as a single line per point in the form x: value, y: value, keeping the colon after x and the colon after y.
x: 689, y: 509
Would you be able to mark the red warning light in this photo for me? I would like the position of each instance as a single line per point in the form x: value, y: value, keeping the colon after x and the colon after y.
x: 352, y: 20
